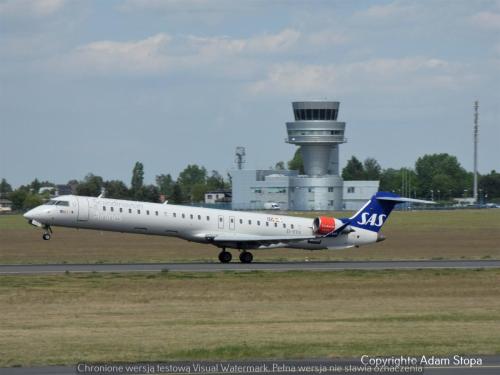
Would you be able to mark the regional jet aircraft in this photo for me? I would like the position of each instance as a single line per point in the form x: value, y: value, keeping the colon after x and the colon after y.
x: 223, y: 228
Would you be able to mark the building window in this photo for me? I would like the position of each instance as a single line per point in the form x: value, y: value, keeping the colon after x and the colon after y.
x: 310, y: 190
x: 209, y: 196
x: 350, y: 189
x: 328, y: 114
x: 330, y: 203
x: 302, y: 114
x: 321, y: 114
x: 330, y: 189
x: 315, y: 114
x: 309, y: 114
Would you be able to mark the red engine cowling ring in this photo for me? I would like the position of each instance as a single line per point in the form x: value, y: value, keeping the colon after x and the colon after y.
x: 323, y: 225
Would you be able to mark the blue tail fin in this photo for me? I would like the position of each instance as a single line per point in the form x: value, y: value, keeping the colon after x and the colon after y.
x: 376, y: 211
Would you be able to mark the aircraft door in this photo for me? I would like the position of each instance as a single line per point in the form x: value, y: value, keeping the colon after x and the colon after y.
x: 231, y: 222
x: 83, y: 209
x: 221, y: 222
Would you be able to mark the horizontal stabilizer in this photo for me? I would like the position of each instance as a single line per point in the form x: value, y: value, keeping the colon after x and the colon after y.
x: 404, y: 200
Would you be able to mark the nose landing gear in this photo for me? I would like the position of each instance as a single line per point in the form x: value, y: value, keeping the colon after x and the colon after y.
x: 47, y: 233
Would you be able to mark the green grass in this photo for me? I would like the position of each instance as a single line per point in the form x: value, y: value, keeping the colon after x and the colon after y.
x: 69, y: 318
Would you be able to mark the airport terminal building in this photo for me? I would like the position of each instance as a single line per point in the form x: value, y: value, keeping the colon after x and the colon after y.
x: 318, y: 134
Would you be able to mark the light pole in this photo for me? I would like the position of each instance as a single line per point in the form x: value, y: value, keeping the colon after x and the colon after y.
x: 432, y: 195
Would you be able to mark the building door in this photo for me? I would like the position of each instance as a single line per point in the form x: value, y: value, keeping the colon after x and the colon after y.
x: 231, y: 222
x: 83, y: 209
x: 221, y: 222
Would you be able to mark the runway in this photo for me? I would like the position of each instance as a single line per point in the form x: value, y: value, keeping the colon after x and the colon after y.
x: 257, y: 266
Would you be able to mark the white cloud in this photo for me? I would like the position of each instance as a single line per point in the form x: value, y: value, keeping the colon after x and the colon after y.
x: 268, y: 43
x: 142, y: 56
x: 487, y: 20
x: 32, y: 8
x: 388, y: 75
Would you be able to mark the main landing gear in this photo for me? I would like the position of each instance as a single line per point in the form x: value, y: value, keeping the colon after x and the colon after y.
x: 47, y: 233
x: 225, y: 256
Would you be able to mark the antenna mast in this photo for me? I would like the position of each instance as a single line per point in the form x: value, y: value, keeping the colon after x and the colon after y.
x: 476, y: 136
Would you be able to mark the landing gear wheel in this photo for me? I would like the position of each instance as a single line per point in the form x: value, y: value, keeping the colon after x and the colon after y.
x: 225, y: 256
x: 246, y: 257
x: 46, y: 236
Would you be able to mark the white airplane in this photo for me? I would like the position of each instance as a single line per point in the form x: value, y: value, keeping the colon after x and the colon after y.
x: 223, y: 228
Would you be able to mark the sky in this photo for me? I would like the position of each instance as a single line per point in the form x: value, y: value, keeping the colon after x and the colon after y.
x: 94, y: 86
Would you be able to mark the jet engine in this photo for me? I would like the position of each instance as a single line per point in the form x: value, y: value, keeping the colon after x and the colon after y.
x: 325, y: 225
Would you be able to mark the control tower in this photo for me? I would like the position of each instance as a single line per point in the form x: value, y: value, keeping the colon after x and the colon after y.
x: 318, y: 133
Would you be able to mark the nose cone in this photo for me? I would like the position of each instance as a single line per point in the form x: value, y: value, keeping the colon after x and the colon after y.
x: 30, y: 215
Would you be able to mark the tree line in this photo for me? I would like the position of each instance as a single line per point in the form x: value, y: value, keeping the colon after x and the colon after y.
x: 435, y: 176
x: 190, y: 186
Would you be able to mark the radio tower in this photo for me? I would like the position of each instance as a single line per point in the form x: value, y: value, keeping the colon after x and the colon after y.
x: 240, y: 157
x: 476, y: 134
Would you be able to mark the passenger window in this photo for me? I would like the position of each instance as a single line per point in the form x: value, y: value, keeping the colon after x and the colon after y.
x: 147, y: 212
x: 291, y: 226
x: 104, y: 208
x: 174, y: 214
x: 183, y: 216
x: 276, y: 225
x: 241, y: 221
x: 267, y: 223
x: 156, y: 213
x: 208, y: 218
x: 121, y: 209
x: 112, y: 209
x: 199, y: 217
x: 129, y: 210
x: 284, y: 225
x: 191, y: 216
x: 138, y: 212
x: 258, y: 222
x: 249, y: 222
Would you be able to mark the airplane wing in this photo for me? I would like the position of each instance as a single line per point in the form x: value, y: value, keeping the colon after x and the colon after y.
x: 253, y: 239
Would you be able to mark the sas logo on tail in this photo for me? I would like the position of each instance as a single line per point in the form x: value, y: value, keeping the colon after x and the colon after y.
x: 373, y: 220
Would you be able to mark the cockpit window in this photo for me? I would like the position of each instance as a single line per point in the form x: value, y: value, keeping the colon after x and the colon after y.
x: 50, y: 203
x: 62, y: 203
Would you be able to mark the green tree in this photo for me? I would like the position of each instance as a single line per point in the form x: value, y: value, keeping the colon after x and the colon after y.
x: 137, y: 179
x: 189, y: 177
x: 177, y: 196
x: 148, y: 193
x: 5, y: 187
x: 35, y: 185
x: 215, y: 181
x: 490, y: 184
x: 441, y: 172
x: 297, y: 163
x: 354, y: 170
x: 372, y: 169
x: 116, y: 189
x: 198, y: 192
x: 91, y: 186
x: 31, y: 200
x: 17, y: 197
x: 401, y: 181
x: 165, y: 184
